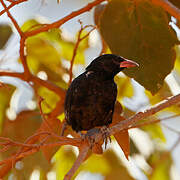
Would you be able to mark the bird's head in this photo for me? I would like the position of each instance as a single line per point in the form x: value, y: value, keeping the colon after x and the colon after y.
x: 109, y: 65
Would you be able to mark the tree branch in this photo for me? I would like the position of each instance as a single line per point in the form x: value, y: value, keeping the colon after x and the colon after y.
x: 32, y: 148
x: 79, y: 39
x: 22, y: 41
x: 12, y: 74
x: 141, y: 115
x: 12, y: 19
x: 36, y: 80
x: 58, y: 23
x: 82, y: 155
x: 12, y: 5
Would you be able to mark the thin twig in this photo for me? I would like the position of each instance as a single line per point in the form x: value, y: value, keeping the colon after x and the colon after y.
x: 27, y: 149
x: 175, y: 144
x: 79, y: 39
x: 12, y: 19
x: 171, y: 129
x: 51, y: 86
x: 36, y: 80
x: 22, y: 41
x: 152, y: 121
x: 12, y: 5
x: 27, y: 74
x: 141, y: 115
x: 42, y: 114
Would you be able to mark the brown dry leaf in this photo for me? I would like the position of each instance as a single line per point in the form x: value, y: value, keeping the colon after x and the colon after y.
x: 23, y: 127
x: 121, y: 137
x: 141, y: 30
x: 123, y: 140
x: 53, y: 125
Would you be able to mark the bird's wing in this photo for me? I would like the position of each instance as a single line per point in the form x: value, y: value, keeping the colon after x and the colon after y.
x: 75, y: 97
x: 90, y: 102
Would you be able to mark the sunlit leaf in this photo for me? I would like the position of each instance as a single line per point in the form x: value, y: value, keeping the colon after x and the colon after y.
x: 43, y: 52
x: 125, y: 88
x: 31, y: 24
x: 47, y: 50
x: 5, y: 33
x: 93, y: 165
x: 140, y: 31
x: 49, y: 99
x: 177, y: 64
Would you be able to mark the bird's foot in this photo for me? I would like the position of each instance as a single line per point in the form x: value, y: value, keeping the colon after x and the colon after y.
x: 105, y: 134
x: 90, y: 136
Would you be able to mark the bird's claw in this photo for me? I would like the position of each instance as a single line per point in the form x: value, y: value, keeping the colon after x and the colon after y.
x: 105, y: 134
x: 90, y: 136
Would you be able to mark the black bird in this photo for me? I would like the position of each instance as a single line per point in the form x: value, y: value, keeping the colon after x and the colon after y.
x: 91, y: 96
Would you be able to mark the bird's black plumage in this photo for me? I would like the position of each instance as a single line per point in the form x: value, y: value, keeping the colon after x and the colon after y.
x: 91, y: 96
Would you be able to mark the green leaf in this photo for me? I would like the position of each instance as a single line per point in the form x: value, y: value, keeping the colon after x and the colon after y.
x: 5, y: 96
x: 5, y: 33
x: 139, y: 30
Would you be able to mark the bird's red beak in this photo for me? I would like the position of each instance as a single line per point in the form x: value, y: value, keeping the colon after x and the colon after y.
x: 128, y: 63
